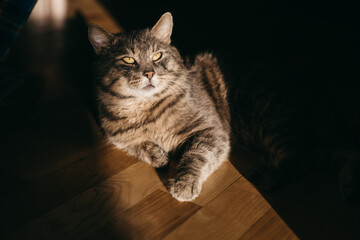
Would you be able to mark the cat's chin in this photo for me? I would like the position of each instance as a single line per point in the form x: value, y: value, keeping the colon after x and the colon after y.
x: 146, y: 92
x: 149, y: 90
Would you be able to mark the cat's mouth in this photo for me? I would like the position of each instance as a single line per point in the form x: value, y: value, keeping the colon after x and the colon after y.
x: 149, y: 86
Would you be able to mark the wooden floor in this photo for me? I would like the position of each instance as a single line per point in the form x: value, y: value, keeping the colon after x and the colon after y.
x: 61, y: 180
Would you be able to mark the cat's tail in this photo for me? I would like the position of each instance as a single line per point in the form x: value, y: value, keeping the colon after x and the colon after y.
x: 214, y: 83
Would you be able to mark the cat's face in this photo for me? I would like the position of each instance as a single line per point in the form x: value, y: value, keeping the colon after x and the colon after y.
x: 140, y: 63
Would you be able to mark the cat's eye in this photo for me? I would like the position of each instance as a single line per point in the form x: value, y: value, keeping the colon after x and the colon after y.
x: 128, y: 60
x: 157, y: 56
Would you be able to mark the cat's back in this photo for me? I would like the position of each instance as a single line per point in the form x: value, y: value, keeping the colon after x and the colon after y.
x: 210, y: 80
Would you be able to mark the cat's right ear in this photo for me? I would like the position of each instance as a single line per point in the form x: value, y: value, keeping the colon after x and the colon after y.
x: 99, y: 38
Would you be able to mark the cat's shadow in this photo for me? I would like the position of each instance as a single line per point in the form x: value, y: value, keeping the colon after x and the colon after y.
x: 168, y: 172
x: 309, y: 204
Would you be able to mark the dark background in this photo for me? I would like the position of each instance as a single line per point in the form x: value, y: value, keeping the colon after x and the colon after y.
x: 253, y: 29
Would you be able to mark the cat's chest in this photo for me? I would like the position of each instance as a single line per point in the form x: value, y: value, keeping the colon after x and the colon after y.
x: 152, y: 122
x: 134, y: 112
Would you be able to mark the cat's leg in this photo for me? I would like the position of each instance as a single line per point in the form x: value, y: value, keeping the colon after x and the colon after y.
x: 204, y: 152
x: 150, y: 153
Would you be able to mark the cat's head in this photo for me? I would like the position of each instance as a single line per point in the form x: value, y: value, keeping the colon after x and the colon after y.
x: 139, y: 63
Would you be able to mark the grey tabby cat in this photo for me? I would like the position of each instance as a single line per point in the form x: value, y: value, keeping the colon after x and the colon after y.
x: 152, y: 105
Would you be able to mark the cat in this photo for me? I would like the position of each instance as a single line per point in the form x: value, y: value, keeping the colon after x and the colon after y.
x: 157, y: 106
x: 153, y: 105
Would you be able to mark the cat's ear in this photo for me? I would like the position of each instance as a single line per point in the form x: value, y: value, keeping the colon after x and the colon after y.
x: 163, y: 28
x: 99, y: 38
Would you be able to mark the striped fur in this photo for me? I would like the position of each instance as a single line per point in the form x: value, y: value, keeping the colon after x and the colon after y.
x: 182, y: 111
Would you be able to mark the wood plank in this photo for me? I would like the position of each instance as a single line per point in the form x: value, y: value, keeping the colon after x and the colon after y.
x: 220, y: 180
x: 152, y: 218
x: 84, y: 173
x: 95, y: 208
x: 228, y: 216
x: 51, y: 145
x: 64, y: 184
x: 269, y: 227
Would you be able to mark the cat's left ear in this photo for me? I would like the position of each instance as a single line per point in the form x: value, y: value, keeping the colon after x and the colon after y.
x: 163, y: 28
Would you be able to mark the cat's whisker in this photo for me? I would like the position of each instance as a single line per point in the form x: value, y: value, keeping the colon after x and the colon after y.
x: 177, y: 88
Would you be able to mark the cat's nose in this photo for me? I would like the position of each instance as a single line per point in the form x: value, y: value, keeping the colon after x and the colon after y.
x: 149, y: 74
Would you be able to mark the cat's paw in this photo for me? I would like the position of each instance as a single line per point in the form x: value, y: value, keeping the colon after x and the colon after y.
x: 158, y: 157
x: 155, y: 155
x: 159, y: 161
x: 184, y: 190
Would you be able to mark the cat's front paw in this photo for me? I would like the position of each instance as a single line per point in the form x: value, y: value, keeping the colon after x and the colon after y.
x: 159, y: 161
x: 158, y: 157
x: 184, y: 190
x: 155, y: 155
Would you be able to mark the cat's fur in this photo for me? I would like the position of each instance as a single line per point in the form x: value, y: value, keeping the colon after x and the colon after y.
x: 181, y: 108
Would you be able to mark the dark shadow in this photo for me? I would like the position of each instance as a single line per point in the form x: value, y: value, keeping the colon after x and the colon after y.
x: 78, y: 59
x: 310, y: 204
x: 46, y: 77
